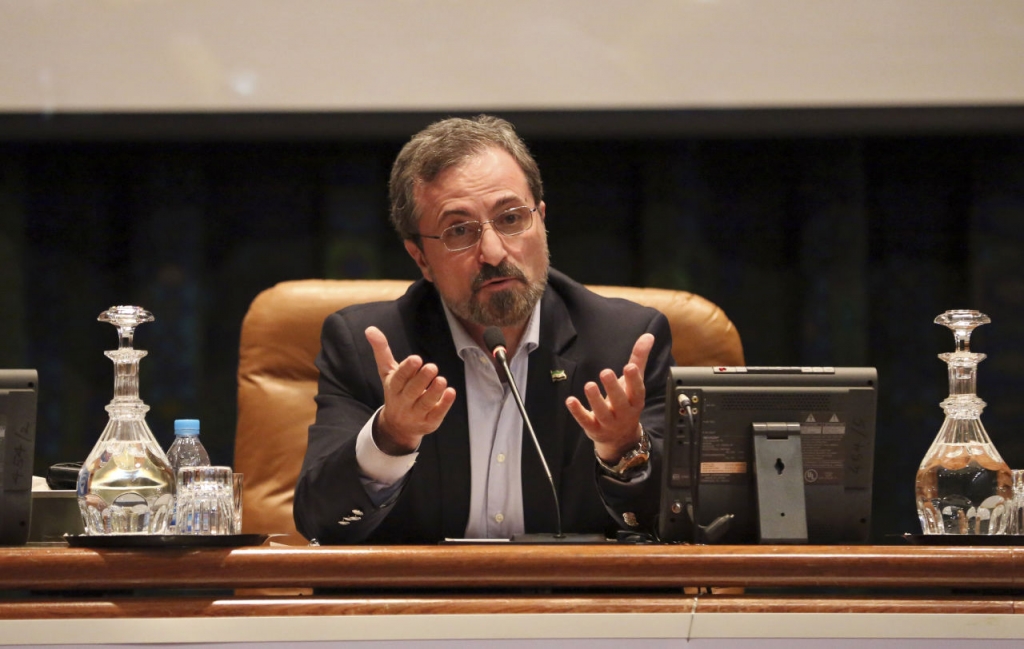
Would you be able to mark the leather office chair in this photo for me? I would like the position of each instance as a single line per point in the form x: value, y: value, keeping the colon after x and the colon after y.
x: 277, y: 379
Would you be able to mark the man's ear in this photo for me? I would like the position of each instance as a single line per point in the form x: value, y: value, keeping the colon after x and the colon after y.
x: 417, y: 255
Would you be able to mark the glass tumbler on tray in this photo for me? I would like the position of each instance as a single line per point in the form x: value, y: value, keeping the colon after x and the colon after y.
x: 126, y: 485
x: 205, y: 500
x: 963, y: 485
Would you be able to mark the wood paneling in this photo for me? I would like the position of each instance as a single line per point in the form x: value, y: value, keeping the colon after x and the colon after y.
x: 611, y: 567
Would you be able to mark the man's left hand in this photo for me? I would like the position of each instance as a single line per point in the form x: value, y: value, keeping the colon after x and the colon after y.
x: 613, y: 421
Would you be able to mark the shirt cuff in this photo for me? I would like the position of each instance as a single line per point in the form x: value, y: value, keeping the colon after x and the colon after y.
x: 375, y: 464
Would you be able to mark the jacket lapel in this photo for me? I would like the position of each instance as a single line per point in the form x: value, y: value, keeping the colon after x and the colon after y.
x: 545, y: 403
x: 450, y: 442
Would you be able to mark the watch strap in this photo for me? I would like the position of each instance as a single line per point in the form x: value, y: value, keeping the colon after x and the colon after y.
x: 632, y: 462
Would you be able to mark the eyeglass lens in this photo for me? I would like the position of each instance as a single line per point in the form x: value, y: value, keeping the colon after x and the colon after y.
x: 463, y: 235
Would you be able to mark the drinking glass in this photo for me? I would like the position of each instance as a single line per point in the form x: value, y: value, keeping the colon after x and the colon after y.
x: 1016, y: 525
x: 205, y: 501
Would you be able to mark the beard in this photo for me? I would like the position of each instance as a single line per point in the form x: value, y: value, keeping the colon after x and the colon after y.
x: 511, y: 306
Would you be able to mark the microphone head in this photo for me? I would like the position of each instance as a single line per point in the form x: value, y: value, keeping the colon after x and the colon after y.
x: 494, y: 339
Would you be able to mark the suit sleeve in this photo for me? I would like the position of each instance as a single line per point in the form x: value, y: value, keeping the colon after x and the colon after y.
x: 331, y: 505
x: 634, y: 505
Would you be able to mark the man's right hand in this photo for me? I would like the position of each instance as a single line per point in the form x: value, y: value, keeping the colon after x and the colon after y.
x: 416, y: 398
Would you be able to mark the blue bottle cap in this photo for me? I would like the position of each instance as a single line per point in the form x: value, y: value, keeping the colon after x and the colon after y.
x: 186, y: 427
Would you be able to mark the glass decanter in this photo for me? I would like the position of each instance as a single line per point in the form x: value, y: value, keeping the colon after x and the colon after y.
x: 126, y: 485
x: 963, y: 485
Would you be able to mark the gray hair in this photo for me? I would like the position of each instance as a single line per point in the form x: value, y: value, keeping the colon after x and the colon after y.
x: 446, y: 144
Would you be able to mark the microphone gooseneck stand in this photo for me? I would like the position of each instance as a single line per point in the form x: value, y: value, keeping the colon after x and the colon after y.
x: 495, y: 342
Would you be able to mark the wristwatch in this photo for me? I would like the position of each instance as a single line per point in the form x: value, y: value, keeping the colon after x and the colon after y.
x: 632, y: 462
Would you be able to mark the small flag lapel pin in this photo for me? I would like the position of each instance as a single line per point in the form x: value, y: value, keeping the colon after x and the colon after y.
x: 557, y: 375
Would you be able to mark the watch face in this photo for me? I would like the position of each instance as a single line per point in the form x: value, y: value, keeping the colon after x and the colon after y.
x: 636, y: 457
x: 633, y: 460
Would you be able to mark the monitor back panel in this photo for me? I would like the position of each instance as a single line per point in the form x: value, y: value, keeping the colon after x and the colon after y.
x: 836, y: 417
x: 17, y: 453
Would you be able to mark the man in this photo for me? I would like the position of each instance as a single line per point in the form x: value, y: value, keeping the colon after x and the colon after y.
x: 416, y: 438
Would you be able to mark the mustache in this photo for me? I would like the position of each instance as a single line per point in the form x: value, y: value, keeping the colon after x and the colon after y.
x: 504, y: 270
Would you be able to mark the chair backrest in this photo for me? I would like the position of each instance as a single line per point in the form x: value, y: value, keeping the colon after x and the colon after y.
x: 277, y: 379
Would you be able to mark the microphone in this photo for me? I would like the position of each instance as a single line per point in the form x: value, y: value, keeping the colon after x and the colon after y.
x: 495, y: 341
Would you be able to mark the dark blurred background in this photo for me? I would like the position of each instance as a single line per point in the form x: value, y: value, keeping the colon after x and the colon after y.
x: 825, y: 246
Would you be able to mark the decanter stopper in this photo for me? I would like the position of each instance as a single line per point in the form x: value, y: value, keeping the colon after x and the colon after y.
x: 126, y: 485
x: 963, y: 485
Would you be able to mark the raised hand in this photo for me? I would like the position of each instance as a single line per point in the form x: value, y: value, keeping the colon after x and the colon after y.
x: 416, y: 398
x: 613, y: 420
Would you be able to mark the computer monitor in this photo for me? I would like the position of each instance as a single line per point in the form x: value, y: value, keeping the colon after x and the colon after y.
x: 17, y: 452
x: 783, y: 455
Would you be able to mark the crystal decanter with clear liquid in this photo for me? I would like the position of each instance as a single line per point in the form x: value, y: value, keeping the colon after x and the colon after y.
x: 126, y: 485
x: 963, y: 485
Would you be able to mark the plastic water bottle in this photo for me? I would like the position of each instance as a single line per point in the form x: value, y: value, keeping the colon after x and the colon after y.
x: 186, y: 450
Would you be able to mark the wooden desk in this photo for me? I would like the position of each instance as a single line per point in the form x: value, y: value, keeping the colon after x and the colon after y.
x: 488, y: 578
x: 610, y: 581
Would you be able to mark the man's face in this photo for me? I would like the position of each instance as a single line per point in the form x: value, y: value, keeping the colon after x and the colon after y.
x: 497, y: 281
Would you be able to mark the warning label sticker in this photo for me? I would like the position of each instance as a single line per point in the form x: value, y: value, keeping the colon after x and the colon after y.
x: 723, y: 467
x: 822, y: 445
x: 727, y: 450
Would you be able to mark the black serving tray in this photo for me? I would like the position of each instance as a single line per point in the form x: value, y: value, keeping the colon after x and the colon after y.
x: 965, y: 539
x: 164, y: 540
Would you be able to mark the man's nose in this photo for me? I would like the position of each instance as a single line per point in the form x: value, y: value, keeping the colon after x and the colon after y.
x: 492, y: 245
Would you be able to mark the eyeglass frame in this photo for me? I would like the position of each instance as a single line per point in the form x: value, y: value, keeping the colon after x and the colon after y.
x: 480, y: 232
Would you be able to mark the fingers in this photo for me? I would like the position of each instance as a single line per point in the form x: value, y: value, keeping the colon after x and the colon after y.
x: 408, y: 379
x: 633, y: 373
x: 416, y: 397
x: 426, y: 398
x: 381, y: 351
x: 623, y: 397
x: 583, y: 417
x: 604, y: 408
x: 441, y: 407
x: 615, y: 402
x: 624, y: 393
x: 632, y: 386
x: 627, y: 391
x: 641, y: 351
x: 418, y: 386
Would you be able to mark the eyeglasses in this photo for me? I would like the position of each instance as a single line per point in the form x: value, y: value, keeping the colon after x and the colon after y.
x: 461, y: 236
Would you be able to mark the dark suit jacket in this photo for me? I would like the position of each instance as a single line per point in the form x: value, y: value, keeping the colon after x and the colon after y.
x: 580, y: 332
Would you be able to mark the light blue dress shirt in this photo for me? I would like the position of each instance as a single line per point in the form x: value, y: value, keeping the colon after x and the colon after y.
x: 495, y: 439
